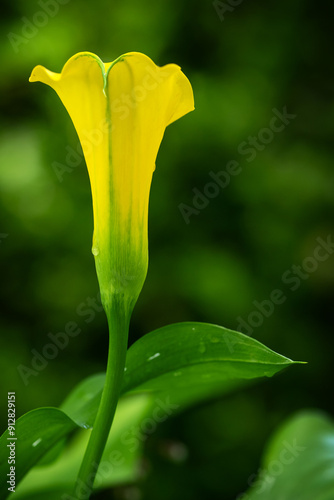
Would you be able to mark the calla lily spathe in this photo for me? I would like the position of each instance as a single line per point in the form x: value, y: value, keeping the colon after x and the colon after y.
x: 120, y: 111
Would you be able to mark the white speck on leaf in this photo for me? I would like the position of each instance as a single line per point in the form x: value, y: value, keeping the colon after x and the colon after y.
x: 156, y: 355
x: 35, y: 443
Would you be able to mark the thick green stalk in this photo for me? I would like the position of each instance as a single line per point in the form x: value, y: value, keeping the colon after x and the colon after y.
x: 118, y: 321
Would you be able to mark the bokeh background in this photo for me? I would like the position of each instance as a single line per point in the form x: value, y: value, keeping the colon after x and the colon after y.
x: 243, y: 61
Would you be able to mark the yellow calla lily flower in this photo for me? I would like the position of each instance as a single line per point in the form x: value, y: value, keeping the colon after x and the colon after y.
x: 120, y: 111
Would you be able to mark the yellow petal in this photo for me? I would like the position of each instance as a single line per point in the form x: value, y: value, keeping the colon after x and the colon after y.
x: 120, y: 111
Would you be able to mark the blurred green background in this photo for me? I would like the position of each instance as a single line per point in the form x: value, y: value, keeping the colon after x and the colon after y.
x: 242, y: 64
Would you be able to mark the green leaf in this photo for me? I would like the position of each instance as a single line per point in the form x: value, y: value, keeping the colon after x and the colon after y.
x: 36, y: 432
x: 82, y: 403
x: 190, y: 362
x: 119, y: 463
x: 53, y: 453
x: 299, y: 461
x: 177, y: 365
x: 40, y: 433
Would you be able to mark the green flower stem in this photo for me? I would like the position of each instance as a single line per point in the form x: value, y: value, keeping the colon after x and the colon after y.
x: 118, y: 322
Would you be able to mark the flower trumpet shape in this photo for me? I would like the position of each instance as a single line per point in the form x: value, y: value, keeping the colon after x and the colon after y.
x: 120, y: 111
